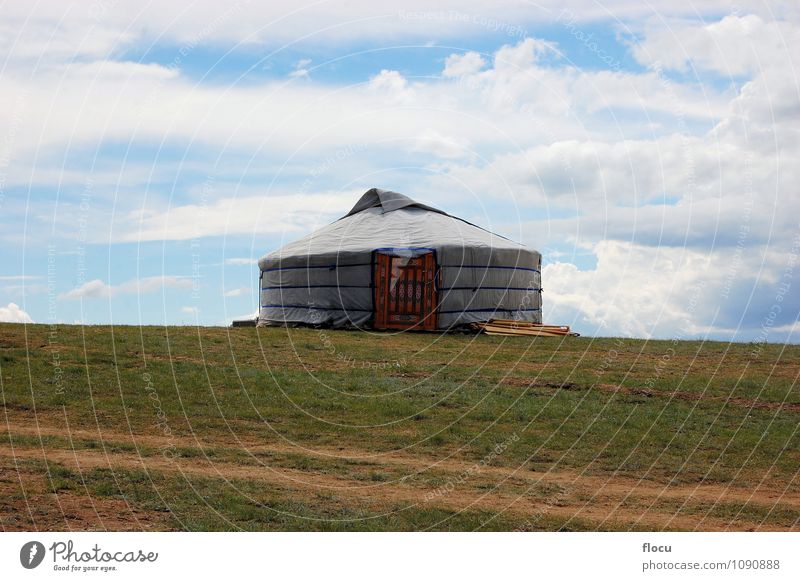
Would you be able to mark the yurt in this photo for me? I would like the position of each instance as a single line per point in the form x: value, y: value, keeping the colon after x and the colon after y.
x: 394, y: 263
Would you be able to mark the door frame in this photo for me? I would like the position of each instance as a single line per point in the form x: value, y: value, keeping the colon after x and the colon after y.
x: 430, y: 312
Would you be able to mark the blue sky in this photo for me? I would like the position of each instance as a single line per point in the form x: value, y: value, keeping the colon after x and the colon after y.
x: 149, y: 156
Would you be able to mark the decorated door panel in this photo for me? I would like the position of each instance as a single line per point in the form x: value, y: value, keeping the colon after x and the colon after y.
x: 405, y: 292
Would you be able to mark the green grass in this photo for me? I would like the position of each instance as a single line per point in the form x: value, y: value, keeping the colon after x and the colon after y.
x: 662, y: 411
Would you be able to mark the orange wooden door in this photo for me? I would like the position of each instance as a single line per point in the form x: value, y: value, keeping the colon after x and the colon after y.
x: 405, y: 292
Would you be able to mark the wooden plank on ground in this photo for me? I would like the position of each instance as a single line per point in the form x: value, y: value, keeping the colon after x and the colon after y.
x: 512, y: 328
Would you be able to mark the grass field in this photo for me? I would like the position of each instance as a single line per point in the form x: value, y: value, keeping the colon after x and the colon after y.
x: 154, y: 428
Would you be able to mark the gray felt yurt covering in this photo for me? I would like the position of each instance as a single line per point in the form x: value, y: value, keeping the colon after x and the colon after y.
x: 327, y: 278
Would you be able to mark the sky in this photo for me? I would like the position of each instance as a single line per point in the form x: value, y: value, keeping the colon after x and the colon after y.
x: 151, y: 152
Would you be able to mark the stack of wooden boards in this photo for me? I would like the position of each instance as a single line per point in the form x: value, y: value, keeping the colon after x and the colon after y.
x: 510, y: 327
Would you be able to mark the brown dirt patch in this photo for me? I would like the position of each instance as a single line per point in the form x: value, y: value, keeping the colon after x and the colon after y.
x: 25, y: 505
x: 603, y: 500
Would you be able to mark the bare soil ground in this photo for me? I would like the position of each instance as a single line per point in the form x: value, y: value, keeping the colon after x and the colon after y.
x: 600, y: 500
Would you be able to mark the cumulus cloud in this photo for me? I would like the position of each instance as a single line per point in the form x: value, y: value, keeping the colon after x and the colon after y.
x: 633, y: 291
x: 732, y: 185
x: 13, y: 314
x: 392, y: 86
x: 600, y: 174
x: 459, y: 65
x: 667, y: 292
x: 389, y: 81
x: 238, y: 292
x: 97, y: 289
x: 524, y: 55
x: 735, y: 45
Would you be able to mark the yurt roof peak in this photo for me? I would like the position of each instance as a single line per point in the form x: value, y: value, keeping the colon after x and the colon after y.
x: 388, y: 201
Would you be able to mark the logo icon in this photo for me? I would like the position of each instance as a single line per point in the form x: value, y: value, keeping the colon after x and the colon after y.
x: 31, y: 554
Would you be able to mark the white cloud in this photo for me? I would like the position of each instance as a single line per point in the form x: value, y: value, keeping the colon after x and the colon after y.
x: 430, y: 141
x: 633, y: 291
x: 675, y: 190
x: 238, y: 292
x: 189, y: 310
x: 517, y: 100
x: 733, y: 46
x: 97, y: 289
x: 38, y: 38
x: 627, y: 171
x: 231, y: 216
x: 524, y: 55
x: 301, y: 69
x: 390, y: 81
x: 646, y: 291
x: 13, y: 314
x: 93, y: 289
x: 459, y: 65
x: 59, y: 29
x: 391, y: 86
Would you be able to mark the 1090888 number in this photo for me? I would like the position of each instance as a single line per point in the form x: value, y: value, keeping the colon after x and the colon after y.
x: 757, y: 564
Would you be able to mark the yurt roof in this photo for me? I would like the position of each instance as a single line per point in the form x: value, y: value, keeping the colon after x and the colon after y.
x: 384, y: 219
